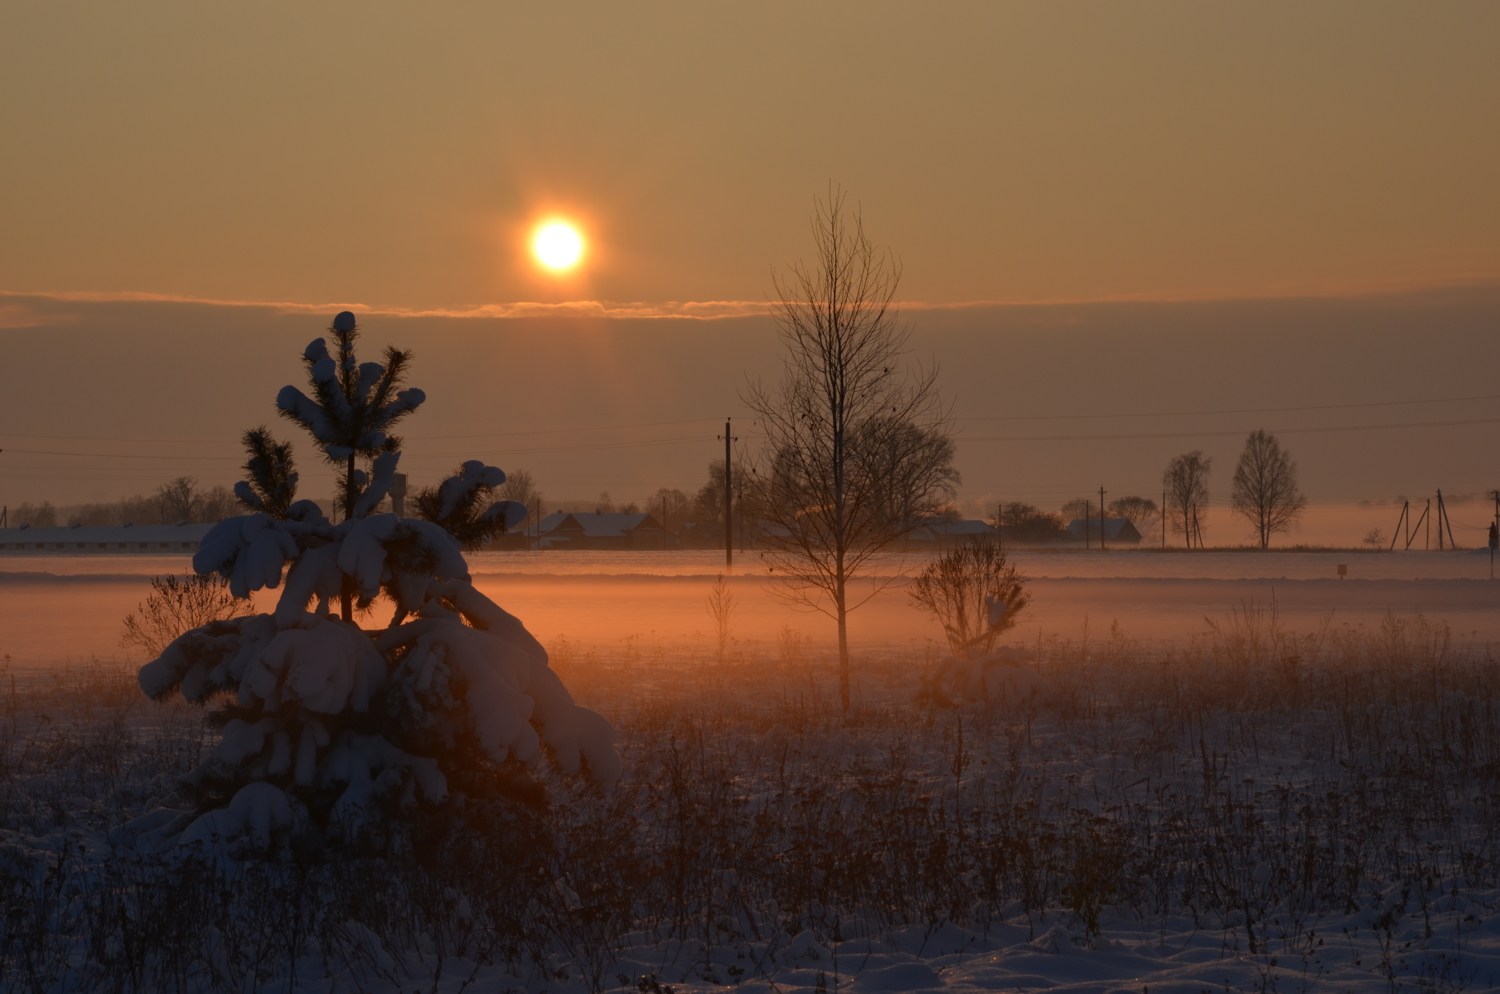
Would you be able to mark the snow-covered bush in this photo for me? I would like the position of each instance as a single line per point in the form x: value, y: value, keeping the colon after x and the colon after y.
x: 327, y: 724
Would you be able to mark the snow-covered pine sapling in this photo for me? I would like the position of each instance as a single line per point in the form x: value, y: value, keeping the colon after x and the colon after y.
x: 333, y: 726
x: 270, y: 483
x: 457, y: 504
x: 349, y: 415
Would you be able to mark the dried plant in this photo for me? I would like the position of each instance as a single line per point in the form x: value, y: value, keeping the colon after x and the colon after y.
x: 721, y: 608
x: 974, y: 592
x: 176, y: 605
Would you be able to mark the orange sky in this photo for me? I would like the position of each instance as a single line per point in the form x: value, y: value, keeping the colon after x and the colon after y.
x: 1274, y: 161
x: 393, y: 154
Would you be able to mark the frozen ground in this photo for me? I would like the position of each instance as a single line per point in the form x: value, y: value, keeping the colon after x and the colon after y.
x: 1278, y: 804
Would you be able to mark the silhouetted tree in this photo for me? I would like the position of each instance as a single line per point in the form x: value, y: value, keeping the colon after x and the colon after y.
x: 1135, y: 509
x: 271, y: 484
x: 1022, y: 522
x: 353, y: 407
x: 974, y: 592
x: 1078, y: 507
x: 1186, y: 483
x: 521, y: 487
x: 854, y: 441
x: 1264, y: 489
x: 180, y: 499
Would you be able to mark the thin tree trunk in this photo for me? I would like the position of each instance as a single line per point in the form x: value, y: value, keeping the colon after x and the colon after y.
x: 843, y: 616
x: 346, y: 590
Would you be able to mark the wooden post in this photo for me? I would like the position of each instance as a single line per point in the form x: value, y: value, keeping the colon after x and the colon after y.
x: 1101, y: 519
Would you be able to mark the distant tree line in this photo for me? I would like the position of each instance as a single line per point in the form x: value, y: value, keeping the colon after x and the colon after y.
x: 182, y: 499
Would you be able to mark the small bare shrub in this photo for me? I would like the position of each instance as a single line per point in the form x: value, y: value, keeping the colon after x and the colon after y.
x: 721, y: 608
x: 176, y: 605
x: 974, y: 592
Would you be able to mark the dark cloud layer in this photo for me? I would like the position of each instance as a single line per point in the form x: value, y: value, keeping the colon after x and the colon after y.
x: 141, y: 390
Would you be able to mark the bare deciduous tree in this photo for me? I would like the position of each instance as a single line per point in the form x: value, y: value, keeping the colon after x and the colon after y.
x: 974, y: 593
x: 521, y: 487
x: 180, y: 499
x: 1137, y: 510
x: 177, y: 605
x: 1265, y: 490
x: 857, y: 445
x: 1186, y: 483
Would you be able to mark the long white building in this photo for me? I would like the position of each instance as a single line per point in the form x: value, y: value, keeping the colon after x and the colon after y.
x: 78, y: 540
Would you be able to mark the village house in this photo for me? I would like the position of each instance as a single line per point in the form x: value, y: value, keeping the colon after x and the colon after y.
x: 942, y: 533
x: 1118, y: 530
x: 603, y: 530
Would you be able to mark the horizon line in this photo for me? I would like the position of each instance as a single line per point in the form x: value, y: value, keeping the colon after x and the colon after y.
x: 712, y: 310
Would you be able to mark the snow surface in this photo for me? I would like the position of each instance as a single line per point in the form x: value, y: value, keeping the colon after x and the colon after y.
x: 752, y: 765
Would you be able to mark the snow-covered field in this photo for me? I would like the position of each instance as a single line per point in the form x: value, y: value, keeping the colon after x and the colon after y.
x: 1304, y: 800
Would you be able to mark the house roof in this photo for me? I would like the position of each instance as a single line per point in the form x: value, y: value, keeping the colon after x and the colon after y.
x: 934, y: 531
x: 1115, y: 529
x: 607, y: 524
x: 113, y: 534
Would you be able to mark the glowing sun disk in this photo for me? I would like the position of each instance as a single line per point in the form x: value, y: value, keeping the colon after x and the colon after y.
x: 558, y: 246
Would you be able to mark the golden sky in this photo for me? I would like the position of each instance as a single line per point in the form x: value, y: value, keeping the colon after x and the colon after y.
x: 397, y: 154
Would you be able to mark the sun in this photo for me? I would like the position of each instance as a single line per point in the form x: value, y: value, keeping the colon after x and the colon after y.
x: 557, y: 245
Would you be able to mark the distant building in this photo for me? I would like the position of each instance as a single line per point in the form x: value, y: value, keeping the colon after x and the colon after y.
x: 603, y: 530
x: 1118, y: 530
x: 79, y: 540
x: 942, y: 533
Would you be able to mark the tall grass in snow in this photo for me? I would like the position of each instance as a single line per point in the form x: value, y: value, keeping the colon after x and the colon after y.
x: 1283, y: 791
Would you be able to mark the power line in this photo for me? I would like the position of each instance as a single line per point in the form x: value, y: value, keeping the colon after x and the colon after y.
x: 417, y: 438
x: 123, y: 455
x: 1242, y: 410
x: 1216, y: 434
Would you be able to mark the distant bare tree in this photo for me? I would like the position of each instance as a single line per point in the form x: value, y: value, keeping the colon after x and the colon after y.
x: 707, y: 509
x: 672, y: 506
x: 1186, y: 483
x: 1078, y: 507
x: 219, y: 502
x: 1134, y: 509
x: 1265, y: 490
x: 180, y: 499
x: 1022, y: 522
x: 521, y: 487
x: 857, y: 445
x: 42, y: 515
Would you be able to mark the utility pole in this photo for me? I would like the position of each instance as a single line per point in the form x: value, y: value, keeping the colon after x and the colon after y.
x: 1445, y: 522
x: 1101, y: 519
x: 728, y: 498
x: 1494, y: 542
